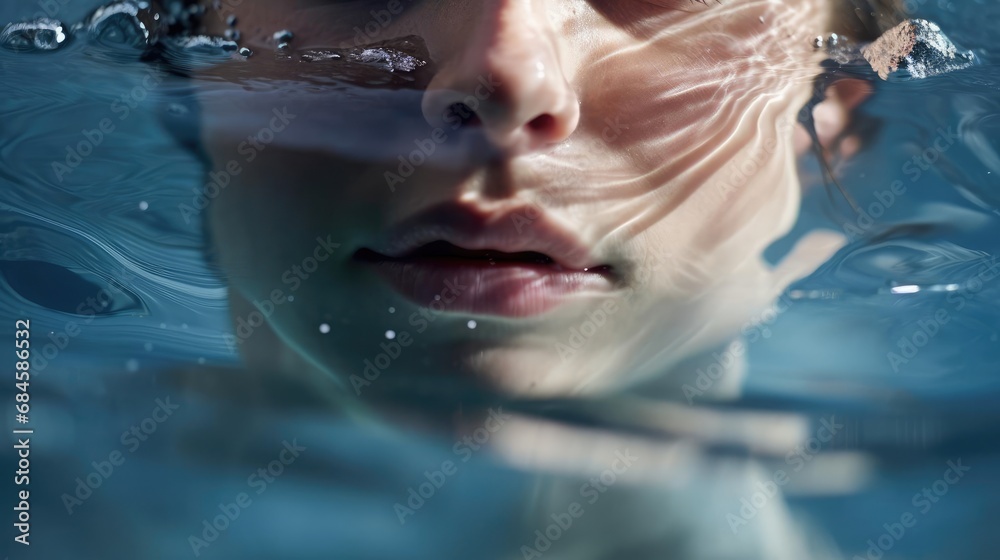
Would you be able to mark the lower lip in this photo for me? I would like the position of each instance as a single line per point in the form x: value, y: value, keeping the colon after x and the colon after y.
x: 507, y: 289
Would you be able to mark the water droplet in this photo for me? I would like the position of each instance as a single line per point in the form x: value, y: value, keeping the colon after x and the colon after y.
x: 246, y: 52
x: 118, y: 24
x: 232, y: 34
x: 132, y: 365
x: 324, y: 328
x: 143, y: 206
x: 390, y: 334
x: 283, y: 36
x: 818, y: 42
x: 388, y: 59
x: 471, y: 324
x: 231, y: 20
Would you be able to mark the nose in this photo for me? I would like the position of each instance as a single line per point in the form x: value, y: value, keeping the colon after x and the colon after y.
x: 505, y: 76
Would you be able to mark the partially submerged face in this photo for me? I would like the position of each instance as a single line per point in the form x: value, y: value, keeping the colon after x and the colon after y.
x: 567, y: 197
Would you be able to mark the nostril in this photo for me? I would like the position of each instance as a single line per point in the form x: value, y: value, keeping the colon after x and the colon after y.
x: 462, y: 114
x: 542, y: 124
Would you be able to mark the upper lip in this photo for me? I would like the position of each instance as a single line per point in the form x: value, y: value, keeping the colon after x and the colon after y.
x: 515, y: 229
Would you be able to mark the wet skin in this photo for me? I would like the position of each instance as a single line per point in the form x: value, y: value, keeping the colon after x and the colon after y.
x: 647, y: 150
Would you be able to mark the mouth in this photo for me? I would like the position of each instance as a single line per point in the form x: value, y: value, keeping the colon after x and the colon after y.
x: 477, y: 266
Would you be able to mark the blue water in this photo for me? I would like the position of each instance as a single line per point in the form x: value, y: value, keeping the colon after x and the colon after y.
x: 109, y: 228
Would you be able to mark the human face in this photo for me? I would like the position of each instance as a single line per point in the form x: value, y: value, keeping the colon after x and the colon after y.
x: 643, y: 147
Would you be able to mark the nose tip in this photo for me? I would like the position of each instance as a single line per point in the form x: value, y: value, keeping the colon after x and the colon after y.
x: 521, y: 103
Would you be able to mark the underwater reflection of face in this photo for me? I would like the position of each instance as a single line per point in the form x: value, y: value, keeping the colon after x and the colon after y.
x: 549, y: 198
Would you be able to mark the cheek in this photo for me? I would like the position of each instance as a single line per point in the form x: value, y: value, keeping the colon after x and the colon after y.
x: 693, y: 141
x: 674, y: 96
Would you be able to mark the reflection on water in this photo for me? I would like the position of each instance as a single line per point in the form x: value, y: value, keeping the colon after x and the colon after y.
x: 866, y: 425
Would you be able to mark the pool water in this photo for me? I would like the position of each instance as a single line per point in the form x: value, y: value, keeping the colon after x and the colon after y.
x: 147, y: 432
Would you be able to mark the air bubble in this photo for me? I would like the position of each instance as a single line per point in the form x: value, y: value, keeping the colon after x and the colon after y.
x: 471, y: 324
x: 143, y: 206
x: 390, y: 334
x: 246, y: 52
x: 39, y: 35
x: 283, y: 36
x: 120, y: 23
x: 324, y: 328
x: 132, y: 365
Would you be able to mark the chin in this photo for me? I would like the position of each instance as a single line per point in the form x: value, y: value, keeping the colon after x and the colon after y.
x: 532, y: 373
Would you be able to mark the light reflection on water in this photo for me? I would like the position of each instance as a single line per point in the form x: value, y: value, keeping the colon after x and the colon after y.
x: 896, y: 337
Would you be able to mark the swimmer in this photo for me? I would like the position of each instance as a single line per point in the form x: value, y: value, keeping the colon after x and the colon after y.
x: 543, y: 200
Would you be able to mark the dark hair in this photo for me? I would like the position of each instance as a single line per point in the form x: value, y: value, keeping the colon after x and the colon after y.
x: 865, y: 20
